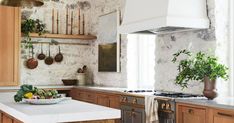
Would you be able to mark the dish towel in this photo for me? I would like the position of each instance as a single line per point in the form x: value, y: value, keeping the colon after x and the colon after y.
x: 151, y: 109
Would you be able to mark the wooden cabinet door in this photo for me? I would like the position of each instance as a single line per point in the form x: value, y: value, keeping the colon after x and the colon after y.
x: 222, y: 116
x: 187, y: 114
x: 138, y: 116
x: 115, y: 101
x: 9, y: 45
x: 103, y: 100
x: 126, y: 116
x: 132, y: 115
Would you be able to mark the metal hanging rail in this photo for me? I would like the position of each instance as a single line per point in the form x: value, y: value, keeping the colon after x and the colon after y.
x: 54, y: 42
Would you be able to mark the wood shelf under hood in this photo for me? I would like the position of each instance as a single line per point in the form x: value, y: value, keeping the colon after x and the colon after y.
x: 63, y: 36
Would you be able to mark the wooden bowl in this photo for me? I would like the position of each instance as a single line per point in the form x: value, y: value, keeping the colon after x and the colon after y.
x: 69, y: 81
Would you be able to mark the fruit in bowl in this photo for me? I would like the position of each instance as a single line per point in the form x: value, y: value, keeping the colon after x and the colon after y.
x: 30, y: 92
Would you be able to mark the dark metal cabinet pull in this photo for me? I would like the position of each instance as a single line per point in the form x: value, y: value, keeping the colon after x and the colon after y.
x: 227, y: 115
x: 191, y: 111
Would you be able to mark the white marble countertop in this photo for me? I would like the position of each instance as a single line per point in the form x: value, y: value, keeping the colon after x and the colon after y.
x: 66, y: 111
x: 110, y: 89
x: 221, y: 102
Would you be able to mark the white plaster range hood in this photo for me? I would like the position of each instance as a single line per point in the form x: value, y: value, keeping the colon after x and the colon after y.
x: 164, y: 16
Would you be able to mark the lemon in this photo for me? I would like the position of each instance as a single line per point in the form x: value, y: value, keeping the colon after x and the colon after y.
x: 28, y: 95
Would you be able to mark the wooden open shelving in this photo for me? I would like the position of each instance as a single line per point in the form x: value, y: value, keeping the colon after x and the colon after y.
x: 63, y: 36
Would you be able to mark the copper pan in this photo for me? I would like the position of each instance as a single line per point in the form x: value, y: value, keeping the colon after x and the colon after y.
x: 22, y: 3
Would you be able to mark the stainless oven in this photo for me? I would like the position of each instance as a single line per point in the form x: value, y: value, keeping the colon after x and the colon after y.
x: 166, y: 111
x: 133, y: 110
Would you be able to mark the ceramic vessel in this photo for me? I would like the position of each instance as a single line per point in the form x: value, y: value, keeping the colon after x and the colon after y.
x: 210, y: 90
x: 81, y: 77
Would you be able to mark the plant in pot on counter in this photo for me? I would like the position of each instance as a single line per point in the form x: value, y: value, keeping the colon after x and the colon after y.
x: 29, y: 26
x: 30, y: 92
x: 200, y: 67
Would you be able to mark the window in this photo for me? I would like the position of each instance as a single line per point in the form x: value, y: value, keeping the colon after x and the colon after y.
x: 141, y: 61
x: 231, y: 10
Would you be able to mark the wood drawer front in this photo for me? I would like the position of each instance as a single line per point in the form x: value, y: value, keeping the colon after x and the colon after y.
x: 222, y: 116
x: 89, y: 97
x: 81, y: 96
x: 193, y: 111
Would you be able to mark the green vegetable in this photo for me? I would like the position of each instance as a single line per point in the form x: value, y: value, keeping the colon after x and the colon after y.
x: 198, y: 66
x: 23, y: 90
x: 38, y: 93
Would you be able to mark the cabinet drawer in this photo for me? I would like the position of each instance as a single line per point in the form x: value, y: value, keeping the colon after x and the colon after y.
x: 223, y: 116
x: 192, y: 110
x: 82, y: 96
x: 89, y: 97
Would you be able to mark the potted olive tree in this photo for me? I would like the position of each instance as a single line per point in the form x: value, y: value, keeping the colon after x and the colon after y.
x: 200, y: 67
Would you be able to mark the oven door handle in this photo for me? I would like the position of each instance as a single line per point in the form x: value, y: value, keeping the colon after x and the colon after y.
x: 166, y: 111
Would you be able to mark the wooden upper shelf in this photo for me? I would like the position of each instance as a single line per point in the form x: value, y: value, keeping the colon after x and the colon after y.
x: 63, y: 36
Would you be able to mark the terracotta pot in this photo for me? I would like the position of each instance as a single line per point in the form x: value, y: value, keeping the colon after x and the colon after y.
x: 210, y: 90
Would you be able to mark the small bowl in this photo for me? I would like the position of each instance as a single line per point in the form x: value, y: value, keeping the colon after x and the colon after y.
x: 69, y: 81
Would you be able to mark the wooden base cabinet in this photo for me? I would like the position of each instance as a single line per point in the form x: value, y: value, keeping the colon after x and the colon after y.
x: 191, y: 114
x: 9, y: 45
x: 96, y: 97
x: 221, y: 116
x: 187, y: 113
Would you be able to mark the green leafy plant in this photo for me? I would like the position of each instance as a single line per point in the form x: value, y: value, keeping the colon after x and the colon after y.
x: 29, y: 26
x: 198, y: 66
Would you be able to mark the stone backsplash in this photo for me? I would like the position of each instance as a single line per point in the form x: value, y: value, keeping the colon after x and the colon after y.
x: 167, y: 45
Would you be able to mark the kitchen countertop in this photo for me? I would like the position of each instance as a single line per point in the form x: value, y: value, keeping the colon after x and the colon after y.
x: 109, y: 89
x: 113, y: 90
x: 66, y: 111
x: 221, y: 102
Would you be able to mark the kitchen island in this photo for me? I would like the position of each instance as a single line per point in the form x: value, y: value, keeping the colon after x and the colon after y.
x: 66, y: 111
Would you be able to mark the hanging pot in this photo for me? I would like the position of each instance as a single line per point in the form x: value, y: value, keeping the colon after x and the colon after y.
x: 59, y: 56
x: 22, y: 3
x: 49, y: 60
x: 41, y: 56
x: 32, y: 63
x: 210, y: 90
